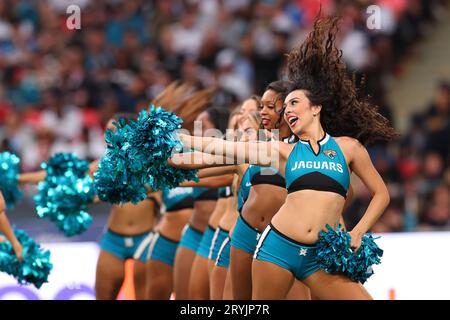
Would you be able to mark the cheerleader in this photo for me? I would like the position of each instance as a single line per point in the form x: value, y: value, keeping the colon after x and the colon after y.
x: 197, y: 228
x: 221, y: 248
x: 258, y: 209
x: 127, y: 236
x: 222, y: 288
x: 178, y: 202
x: 206, y: 255
x: 332, y: 124
x: 178, y: 207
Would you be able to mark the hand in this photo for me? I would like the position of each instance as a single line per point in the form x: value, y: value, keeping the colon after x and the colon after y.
x: 356, y: 239
x: 180, y: 136
x: 184, y: 138
x: 18, y: 250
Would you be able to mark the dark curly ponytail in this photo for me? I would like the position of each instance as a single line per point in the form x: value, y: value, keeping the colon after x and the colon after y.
x: 317, y: 68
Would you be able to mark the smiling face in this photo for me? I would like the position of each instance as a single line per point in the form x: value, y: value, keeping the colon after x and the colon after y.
x: 270, y: 109
x: 298, y: 113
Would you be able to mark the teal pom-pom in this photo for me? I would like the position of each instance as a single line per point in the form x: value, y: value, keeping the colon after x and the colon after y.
x: 65, y: 194
x: 35, y: 266
x: 361, y: 262
x: 136, y: 156
x: 334, y: 254
x: 64, y: 163
x: 154, y: 136
x: 164, y: 176
x: 117, y: 179
x: 333, y: 249
x: 153, y: 142
x: 9, y: 178
x: 118, y: 186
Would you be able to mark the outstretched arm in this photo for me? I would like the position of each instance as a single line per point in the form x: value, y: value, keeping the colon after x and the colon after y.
x: 212, y: 182
x: 38, y: 176
x: 32, y: 177
x: 5, y: 228
x: 219, y: 171
x: 363, y: 167
x: 262, y: 153
x: 198, y: 160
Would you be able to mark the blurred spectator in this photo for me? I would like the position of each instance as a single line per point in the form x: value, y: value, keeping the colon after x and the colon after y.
x: 438, y: 214
x: 63, y: 120
x: 187, y: 37
x: 392, y: 220
x: 228, y: 78
x: 14, y: 135
x: 437, y: 122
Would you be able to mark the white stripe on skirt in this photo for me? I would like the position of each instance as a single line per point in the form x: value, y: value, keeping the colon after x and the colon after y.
x: 213, y: 243
x: 152, y: 246
x: 184, y: 230
x: 144, y: 243
x: 261, y: 240
x: 222, y: 247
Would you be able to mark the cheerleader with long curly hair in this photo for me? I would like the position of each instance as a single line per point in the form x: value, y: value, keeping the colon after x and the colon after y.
x: 324, y: 111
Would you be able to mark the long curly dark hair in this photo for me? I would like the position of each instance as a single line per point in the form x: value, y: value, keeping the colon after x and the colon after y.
x: 317, y: 68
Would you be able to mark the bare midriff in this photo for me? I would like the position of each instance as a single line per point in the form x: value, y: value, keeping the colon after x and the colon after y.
x: 173, y: 222
x: 305, y: 213
x: 130, y: 219
x: 263, y: 203
x: 219, y: 210
x: 229, y: 218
